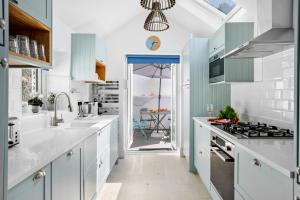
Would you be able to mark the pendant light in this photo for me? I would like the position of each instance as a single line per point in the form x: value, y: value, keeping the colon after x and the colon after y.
x: 156, y: 21
x: 164, y: 4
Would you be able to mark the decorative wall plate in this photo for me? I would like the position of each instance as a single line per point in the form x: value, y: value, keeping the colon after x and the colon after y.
x: 153, y: 43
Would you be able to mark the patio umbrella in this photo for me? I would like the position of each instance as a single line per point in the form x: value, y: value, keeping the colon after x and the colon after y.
x: 160, y: 71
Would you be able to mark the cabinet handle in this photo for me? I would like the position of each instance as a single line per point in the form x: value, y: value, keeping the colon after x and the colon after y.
x: 256, y: 162
x: 70, y: 154
x: 200, y: 126
x: 40, y: 174
x: 201, y: 152
x: 15, y: 1
x: 4, y: 63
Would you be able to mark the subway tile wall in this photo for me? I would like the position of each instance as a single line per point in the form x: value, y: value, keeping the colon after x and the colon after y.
x: 270, y: 99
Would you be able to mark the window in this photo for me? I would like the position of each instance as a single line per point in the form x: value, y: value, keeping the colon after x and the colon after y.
x: 29, y: 83
x: 225, y: 6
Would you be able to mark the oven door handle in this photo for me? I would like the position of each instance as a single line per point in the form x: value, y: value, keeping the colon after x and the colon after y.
x: 224, y: 159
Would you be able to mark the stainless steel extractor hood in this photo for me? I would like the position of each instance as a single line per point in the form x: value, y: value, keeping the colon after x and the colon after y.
x: 275, y: 23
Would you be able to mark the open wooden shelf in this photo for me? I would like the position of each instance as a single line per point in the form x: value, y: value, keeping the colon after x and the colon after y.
x: 21, y: 23
x: 101, y: 70
x: 19, y: 59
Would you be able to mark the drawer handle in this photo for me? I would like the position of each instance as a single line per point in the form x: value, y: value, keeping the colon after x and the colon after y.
x: 70, y: 154
x: 256, y: 162
x: 40, y: 174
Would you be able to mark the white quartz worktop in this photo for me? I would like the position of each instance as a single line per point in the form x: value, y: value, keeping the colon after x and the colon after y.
x: 39, y: 148
x: 278, y: 153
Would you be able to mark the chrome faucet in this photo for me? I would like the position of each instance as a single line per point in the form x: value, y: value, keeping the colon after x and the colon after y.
x: 55, y: 120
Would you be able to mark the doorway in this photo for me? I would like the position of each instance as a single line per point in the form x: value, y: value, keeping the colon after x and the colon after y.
x: 152, y: 96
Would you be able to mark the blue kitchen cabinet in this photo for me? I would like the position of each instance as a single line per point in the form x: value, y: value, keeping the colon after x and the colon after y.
x: 197, y: 93
x: 103, y: 154
x: 85, y: 50
x: 227, y: 38
x: 66, y: 176
x: 217, y: 42
x: 255, y: 179
x: 202, y: 152
x: 35, y: 187
x: 38, y: 9
x: 4, y: 100
x: 114, y: 143
x: 90, y: 167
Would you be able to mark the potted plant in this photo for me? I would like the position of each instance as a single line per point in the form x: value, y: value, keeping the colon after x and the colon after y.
x: 35, y: 102
x: 50, y: 101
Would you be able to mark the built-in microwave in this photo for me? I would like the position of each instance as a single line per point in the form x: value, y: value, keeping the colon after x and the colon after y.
x: 216, y: 68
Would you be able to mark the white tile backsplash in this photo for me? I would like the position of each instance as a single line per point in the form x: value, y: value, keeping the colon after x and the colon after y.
x: 271, y: 98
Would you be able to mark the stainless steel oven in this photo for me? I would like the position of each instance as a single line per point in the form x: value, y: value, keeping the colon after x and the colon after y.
x: 216, y: 68
x: 222, y: 166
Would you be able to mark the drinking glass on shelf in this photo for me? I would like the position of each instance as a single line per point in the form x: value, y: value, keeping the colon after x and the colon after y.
x: 13, y: 44
x: 23, y: 42
x: 210, y: 109
x: 33, y: 49
x: 41, y: 52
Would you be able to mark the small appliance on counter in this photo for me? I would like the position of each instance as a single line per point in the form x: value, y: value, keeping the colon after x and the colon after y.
x: 13, y: 132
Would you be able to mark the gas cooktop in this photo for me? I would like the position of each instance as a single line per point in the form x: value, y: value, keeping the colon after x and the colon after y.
x: 248, y: 130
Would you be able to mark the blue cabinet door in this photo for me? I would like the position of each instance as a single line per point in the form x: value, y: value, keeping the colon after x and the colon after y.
x: 90, y: 167
x: 202, y: 153
x: 39, y: 9
x: 114, y: 141
x: 4, y: 101
x: 83, y: 57
x: 35, y: 187
x: 66, y: 171
x: 254, y: 179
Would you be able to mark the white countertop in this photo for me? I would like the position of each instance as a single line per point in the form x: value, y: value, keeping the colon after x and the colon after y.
x: 278, y: 153
x: 38, y: 148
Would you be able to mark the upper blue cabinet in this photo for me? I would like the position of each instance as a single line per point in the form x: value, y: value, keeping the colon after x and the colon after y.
x: 38, y: 9
x: 86, y: 60
x: 228, y: 37
x: 30, y: 21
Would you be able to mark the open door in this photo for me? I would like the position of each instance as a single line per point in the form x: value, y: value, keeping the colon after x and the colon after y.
x: 130, y: 105
x: 174, y: 110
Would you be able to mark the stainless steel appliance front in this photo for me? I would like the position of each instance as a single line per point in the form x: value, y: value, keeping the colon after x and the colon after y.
x: 222, y: 166
x: 216, y: 68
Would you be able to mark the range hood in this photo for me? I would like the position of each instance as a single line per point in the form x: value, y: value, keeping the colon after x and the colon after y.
x: 275, y: 23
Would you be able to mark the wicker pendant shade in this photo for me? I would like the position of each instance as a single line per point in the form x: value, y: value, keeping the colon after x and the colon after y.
x: 164, y: 4
x: 156, y: 21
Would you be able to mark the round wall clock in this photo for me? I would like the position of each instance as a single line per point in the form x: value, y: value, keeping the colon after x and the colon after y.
x: 153, y: 43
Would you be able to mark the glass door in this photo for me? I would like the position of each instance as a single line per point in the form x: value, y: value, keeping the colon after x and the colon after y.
x: 174, y: 110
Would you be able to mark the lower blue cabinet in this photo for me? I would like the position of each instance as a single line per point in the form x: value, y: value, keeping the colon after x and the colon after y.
x: 35, y: 187
x: 202, y: 152
x: 254, y: 179
x: 66, y: 176
x: 90, y: 167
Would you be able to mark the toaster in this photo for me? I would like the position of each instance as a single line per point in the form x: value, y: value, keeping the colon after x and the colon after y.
x: 13, y: 132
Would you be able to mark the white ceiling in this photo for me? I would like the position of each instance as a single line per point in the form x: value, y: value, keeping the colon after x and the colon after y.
x: 106, y: 16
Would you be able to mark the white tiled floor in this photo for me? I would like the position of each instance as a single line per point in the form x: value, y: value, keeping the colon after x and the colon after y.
x: 153, y: 177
